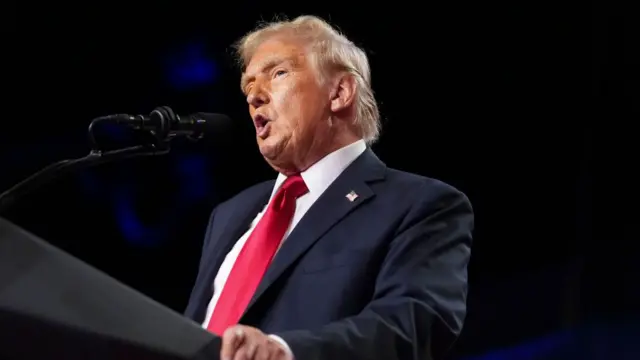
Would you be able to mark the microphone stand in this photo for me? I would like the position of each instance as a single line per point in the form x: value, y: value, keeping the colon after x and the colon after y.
x: 95, y: 157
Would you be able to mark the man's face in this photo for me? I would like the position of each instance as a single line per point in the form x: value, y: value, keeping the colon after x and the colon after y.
x: 289, y: 107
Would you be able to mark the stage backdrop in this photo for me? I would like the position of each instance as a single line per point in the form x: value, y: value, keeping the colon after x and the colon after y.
x: 497, y: 99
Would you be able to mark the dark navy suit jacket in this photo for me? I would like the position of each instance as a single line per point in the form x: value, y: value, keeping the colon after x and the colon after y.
x: 382, y: 277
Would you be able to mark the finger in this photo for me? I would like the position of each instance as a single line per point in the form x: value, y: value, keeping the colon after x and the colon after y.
x: 276, y: 351
x: 265, y: 352
x: 241, y: 354
x: 246, y: 351
x: 251, y: 348
x: 232, y: 338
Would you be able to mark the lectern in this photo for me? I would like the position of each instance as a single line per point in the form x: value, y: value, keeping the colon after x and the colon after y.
x: 54, y: 306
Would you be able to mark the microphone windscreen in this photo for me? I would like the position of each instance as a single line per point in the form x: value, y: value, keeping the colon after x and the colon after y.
x: 212, y: 123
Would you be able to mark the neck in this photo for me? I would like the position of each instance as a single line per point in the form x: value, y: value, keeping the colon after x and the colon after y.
x: 317, y: 153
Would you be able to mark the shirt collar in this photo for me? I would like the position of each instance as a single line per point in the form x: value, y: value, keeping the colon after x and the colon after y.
x: 320, y: 175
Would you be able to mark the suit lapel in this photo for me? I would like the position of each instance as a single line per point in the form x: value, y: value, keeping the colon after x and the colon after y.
x: 332, y: 206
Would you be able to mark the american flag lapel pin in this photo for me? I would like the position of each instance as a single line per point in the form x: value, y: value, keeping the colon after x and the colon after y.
x: 352, y: 196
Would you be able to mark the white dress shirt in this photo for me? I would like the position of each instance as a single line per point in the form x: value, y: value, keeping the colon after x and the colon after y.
x: 317, y: 178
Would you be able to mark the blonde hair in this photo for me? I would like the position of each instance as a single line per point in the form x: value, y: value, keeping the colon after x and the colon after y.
x: 330, y: 51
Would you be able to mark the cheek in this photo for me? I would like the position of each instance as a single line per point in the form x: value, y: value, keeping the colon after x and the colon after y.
x: 290, y: 106
x: 297, y: 104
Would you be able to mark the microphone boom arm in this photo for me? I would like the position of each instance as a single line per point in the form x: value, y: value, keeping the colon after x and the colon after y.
x: 159, y: 136
x: 63, y: 167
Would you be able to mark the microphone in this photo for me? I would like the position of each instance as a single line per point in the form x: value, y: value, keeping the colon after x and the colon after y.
x: 164, y: 123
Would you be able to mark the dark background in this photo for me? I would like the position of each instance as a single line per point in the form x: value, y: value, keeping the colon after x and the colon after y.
x: 514, y: 103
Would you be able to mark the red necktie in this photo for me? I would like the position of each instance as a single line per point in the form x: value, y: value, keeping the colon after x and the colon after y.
x: 256, y: 255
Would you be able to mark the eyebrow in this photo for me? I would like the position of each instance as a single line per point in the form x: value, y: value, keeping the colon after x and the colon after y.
x: 266, y: 67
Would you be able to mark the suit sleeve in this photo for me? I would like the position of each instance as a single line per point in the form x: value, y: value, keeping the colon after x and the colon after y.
x: 419, y: 303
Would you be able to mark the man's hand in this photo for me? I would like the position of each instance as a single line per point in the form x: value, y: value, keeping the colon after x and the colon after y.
x: 246, y: 343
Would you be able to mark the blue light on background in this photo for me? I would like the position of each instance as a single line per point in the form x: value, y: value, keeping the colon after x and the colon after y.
x: 190, y: 67
x: 596, y: 341
x: 132, y: 229
x: 541, y: 348
x: 186, y: 68
x: 194, y: 186
x: 194, y: 178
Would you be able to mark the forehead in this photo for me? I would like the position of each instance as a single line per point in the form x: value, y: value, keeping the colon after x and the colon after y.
x: 272, y: 53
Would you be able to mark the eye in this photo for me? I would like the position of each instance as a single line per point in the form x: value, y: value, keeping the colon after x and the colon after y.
x: 279, y: 73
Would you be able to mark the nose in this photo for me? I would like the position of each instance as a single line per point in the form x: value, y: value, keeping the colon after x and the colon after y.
x: 257, y: 97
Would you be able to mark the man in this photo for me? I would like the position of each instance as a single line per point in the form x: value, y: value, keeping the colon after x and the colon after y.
x: 340, y: 257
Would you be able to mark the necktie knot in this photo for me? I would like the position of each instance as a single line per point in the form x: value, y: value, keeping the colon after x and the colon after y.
x: 294, y: 186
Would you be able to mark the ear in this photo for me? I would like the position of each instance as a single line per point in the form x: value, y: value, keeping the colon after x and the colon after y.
x: 343, y: 93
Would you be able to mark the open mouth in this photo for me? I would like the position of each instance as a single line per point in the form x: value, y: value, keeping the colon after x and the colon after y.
x: 262, y: 125
x: 260, y: 121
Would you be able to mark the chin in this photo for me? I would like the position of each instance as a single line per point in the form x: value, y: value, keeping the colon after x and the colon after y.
x: 267, y: 150
x: 273, y: 150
